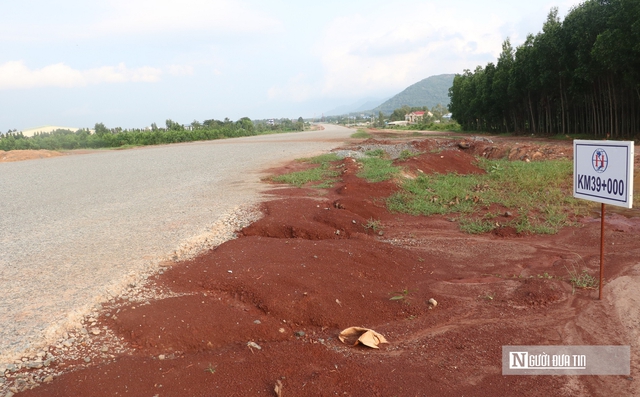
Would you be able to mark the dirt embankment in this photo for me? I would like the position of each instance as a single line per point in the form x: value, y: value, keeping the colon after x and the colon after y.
x: 266, y: 308
x: 21, y: 155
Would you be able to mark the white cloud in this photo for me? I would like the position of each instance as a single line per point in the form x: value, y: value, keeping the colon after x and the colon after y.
x: 129, y: 16
x: 387, y: 49
x: 15, y: 74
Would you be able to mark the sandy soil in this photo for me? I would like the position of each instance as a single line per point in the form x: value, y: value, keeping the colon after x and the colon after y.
x: 267, y: 307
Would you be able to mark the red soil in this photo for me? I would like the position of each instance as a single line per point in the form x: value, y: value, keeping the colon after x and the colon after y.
x: 317, y: 263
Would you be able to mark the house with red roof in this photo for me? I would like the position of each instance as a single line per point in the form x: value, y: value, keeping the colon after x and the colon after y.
x: 414, y: 117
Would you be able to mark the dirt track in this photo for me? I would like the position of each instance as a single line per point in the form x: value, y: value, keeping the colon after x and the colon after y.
x: 311, y: 267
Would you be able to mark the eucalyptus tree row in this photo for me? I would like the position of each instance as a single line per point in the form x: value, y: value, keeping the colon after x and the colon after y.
x: 577, y: 76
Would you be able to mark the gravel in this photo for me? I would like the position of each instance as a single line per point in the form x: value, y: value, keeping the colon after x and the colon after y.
x: 77, y: 231
x: 392, y: 151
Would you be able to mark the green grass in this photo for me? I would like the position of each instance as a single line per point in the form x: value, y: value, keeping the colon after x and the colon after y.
x: 375, y: 153
x: 377, y: 169
x: 407, y: 154
x: 582, y: 279
x: 476, y: 226
x: 323, y: 173
x: 539, y: 191
x: 361, y: 134
x: 373, y: 224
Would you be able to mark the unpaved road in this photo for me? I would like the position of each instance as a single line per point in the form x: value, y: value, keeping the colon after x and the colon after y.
x: 75, y: 229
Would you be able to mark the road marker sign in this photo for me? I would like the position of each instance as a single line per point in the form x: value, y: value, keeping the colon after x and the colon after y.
x: 603, y: 172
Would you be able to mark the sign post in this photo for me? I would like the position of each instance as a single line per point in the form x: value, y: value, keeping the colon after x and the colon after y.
x: 603, y: 172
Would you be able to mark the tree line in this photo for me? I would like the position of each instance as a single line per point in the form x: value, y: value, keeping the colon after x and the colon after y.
x: 577, y: 76
x: 173, y: 132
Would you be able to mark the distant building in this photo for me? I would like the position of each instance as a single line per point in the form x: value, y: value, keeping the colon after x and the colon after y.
x: 414, y: 117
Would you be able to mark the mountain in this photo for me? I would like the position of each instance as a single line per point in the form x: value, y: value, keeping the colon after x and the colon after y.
x: 428, y: 92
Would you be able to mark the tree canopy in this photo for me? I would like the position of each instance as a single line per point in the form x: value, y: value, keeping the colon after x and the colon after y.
x: 577, y: 76
x: 117, y: 137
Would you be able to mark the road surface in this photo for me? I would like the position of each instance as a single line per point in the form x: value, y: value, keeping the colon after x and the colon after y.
x: 74, y: 229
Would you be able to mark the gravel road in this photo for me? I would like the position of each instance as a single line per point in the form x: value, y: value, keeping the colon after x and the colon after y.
x: 77, y: 230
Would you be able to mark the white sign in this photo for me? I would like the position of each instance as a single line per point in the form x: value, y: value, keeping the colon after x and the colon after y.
x: 603, y: 172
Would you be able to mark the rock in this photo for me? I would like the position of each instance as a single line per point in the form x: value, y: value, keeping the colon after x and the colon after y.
x: 299, y: 333
x: 48, y: 361
x: 254, y: 345
x: 48, y: 379
x: 257, y: 322
x: 87, y: 359
x: 84, y: 331
x: 34, y: 365
x: 508, y: 214
x: 161, y: 357
x: 104, y: 349
x: 9, y: 394
x: 95, y: 331
x: 433, y: 302
x: 281, y: 330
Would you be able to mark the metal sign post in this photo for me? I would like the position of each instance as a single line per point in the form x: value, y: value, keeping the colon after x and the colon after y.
x: 603, y: 172
x: 601, y: 251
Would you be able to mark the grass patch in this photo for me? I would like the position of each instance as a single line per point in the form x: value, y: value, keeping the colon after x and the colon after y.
x: 407, y: 154
x: 539, y: 191
x: 375, y: 153
x: 361, y: 134
x: 373, y: 224
x: 582, y: 279
x: 324, y: 174
x: 476, y: 226
x: 377, y: 169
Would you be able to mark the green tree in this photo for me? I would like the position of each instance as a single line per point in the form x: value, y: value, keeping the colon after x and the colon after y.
x: 101, y: 130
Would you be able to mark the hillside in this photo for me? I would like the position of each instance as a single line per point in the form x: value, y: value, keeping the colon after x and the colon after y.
x: 428, y: 92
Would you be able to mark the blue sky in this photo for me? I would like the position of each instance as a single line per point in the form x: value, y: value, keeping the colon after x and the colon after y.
x: 128, y: 63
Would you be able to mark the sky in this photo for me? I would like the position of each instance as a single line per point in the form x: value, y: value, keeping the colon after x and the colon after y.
x: 130, y: 63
